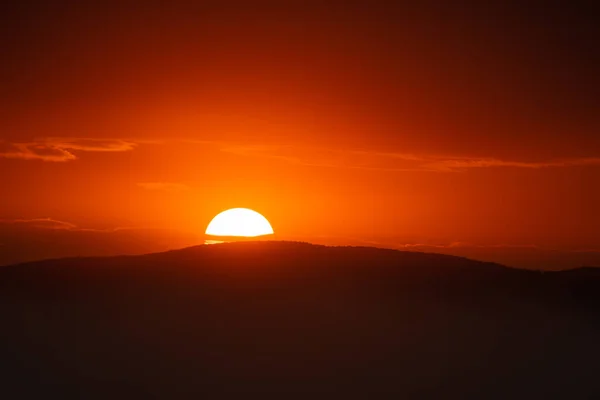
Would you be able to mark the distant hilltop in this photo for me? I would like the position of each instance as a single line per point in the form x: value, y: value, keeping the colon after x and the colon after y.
x: 296, y: 319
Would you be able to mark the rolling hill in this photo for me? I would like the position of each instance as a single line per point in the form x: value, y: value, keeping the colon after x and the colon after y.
x: 286, y: 319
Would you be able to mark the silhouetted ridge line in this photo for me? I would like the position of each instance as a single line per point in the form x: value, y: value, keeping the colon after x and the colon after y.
x: 296, y: 319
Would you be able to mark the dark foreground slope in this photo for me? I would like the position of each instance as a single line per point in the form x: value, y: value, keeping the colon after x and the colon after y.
x: 296, y: 320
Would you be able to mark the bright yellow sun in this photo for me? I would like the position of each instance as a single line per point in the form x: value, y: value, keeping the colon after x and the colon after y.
x: 239, y: 222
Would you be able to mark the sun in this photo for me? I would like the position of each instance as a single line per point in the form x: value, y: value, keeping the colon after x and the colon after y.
x: 239, y: 222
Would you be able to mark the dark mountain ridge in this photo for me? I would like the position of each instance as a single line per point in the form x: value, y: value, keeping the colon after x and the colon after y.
x: 288, y: 318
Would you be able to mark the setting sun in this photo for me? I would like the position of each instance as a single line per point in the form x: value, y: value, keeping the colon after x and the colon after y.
x: 239, y: 222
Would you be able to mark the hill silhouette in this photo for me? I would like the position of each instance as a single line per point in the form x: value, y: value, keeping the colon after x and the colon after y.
x: 294, y: 319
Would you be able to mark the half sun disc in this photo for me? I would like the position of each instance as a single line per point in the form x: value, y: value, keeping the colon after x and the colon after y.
x: 239, y: 222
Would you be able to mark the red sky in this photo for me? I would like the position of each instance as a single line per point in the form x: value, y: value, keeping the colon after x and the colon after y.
x: 471, y: 128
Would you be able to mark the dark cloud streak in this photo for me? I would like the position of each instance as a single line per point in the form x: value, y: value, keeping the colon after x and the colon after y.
x: 394, y: 161
x: 61, y: 149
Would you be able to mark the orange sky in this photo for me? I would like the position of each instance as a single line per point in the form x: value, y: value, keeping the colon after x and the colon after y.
x: 430, y: 124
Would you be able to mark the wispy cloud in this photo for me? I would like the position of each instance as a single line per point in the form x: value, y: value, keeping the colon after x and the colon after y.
x: 40, y: 223
x: 457, y: 245
x: 171, y: 187
x: 61, y: 149
x: 457, y: 164
x: 393, y: 161
x: 56, y: 149
x: 48, y: 224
